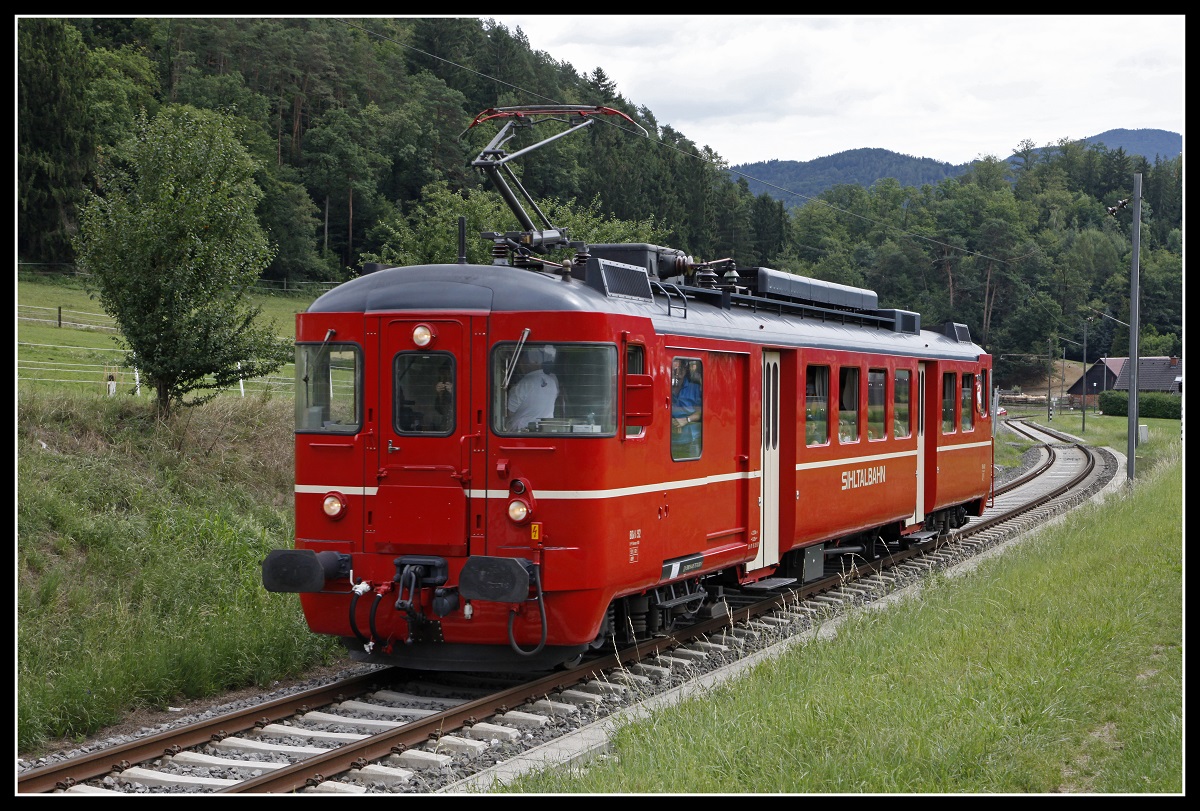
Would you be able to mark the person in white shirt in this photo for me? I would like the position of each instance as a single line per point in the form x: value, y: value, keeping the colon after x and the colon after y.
x: 533, y: 396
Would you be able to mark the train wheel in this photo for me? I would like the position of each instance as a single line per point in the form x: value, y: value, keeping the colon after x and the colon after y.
x: 572, y: 662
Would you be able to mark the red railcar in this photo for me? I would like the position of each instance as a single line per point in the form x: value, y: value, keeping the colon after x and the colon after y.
x: 683, y: 432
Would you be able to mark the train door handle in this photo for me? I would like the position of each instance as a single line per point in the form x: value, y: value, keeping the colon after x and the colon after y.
x: 391, y: 448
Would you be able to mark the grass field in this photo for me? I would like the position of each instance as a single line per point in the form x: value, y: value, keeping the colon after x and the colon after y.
x: 65, y: 341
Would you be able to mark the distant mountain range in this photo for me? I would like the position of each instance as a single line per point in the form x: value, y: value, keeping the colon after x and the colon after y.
x: 795, y: 182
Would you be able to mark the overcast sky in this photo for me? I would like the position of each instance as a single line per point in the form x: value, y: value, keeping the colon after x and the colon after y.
x: 952, y: 88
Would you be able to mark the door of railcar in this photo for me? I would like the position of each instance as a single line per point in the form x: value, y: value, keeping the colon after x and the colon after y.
x: 768, y: 499
x: 919, y: 511
x: 427, y: 431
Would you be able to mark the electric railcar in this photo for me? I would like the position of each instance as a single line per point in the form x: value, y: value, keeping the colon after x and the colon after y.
x: 701, y: 427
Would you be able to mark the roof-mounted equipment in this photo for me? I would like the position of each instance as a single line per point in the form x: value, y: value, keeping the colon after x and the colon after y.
x: 493, y: 162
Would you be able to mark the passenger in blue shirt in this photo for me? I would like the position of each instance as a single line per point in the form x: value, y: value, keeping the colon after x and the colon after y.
x: 686, y: 390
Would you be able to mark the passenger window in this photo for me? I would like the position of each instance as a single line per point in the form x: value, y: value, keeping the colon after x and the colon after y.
x: 901, y: 413
x: 876, y: 404
x: 981, y: 392
x: 687, y: 413
x: 848, y: 405
x: 816, y: 405
x: 949, y: 406
x: 968, y: 413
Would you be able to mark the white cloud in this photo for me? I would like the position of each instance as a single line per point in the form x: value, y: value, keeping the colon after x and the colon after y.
x: 952, y: 88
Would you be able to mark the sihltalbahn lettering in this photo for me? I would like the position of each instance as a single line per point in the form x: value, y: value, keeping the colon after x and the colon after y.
x: 863, y: 477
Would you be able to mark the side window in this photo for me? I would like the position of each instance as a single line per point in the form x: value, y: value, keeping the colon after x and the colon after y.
x: 816, y: 405
x: 423, y: 388
x: 328, y: 388
x: 981, y: 390
x: 949, y: 406
x: 901, y: 413
x: 687, y: 412
x: 848, y: 405
x: 635, y: 364
x: 876, y: 404
x: 968, y: 408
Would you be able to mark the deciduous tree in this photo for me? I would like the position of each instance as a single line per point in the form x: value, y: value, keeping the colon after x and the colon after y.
x: 173, y: 246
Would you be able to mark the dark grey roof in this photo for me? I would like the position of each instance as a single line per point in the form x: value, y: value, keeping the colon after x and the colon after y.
x: 485, y: 289
x: 1154, y: 374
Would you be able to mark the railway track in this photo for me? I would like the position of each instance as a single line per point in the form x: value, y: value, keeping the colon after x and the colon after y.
x: 397, y: 731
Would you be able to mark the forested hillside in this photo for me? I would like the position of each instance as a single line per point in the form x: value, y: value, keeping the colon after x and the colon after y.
x: 360, y: 133
x: 796, y: 182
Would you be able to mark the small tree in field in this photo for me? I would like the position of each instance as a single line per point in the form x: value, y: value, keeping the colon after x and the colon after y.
x: 172, y: 246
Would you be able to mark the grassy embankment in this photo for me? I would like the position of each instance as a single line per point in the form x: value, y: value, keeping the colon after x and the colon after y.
x: 1054, y: 668
x: 139, y: 542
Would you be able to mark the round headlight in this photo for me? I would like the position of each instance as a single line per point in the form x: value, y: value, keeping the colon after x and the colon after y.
x: 334, y: 505
x: 422, y: 335
x: 518, y: 510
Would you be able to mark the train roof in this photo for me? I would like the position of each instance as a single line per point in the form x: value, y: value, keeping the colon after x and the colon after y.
x: 782, y: 310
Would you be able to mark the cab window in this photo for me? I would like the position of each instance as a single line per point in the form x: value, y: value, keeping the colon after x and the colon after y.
x: 635, y: 364
x: 328, y: 388
x: 554, y: 388
x: 423, y: 393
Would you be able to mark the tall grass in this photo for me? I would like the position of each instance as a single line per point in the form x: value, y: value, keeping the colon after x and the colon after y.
x: 138, y: 552
x: 1054, y: 668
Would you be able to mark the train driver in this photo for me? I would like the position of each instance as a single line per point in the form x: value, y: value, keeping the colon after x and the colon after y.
x: 534, y: 395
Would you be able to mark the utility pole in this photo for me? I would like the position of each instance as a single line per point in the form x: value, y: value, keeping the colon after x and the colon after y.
x: 1049, y: 378
x: 1085, y: 374
x: 1062, y: 379
x: 1134, y: 274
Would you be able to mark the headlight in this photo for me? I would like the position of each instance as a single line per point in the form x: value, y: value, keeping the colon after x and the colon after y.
x: 518, y: 510
x: 334, y: 505
x: 422, y: 335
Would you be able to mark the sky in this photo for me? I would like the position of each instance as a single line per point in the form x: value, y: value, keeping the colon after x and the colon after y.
x: 951, y: 88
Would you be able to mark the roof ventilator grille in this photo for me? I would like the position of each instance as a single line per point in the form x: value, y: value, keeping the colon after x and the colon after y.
x: 958, y: 332
x: 625, y: 281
